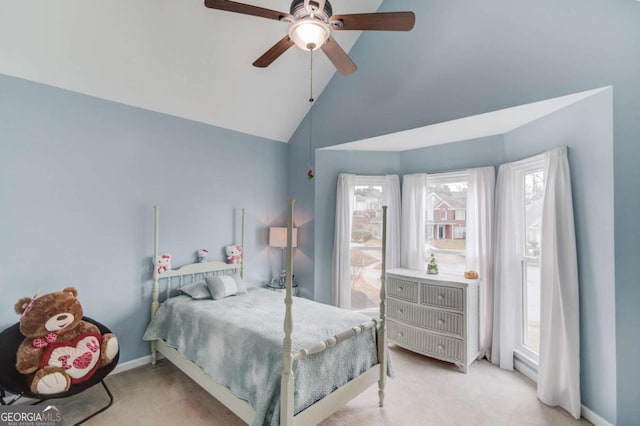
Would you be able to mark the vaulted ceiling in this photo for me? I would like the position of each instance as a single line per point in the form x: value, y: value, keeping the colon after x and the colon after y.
x: 172, y: 56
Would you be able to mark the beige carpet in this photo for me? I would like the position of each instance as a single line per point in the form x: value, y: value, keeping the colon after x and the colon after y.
x: 424, y: 392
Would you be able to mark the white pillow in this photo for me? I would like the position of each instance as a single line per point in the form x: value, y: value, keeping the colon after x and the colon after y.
x: 196, y: 290
x: 221, y: 286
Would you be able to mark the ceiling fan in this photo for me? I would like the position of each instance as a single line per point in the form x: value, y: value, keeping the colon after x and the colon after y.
x: 311, y: 24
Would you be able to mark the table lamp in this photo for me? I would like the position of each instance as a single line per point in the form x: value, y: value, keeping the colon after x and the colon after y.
x: 278, y: 238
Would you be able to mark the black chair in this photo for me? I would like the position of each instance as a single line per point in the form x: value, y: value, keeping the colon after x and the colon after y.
x: 14, y: 382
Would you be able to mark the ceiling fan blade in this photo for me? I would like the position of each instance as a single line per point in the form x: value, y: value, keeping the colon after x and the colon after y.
x: 383, y: 21
x: 232, y: 6
x: 338, y: 57
x: 274, y: 53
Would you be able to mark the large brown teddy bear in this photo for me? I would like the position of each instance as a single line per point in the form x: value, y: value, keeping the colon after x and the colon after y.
x: 59, y: 348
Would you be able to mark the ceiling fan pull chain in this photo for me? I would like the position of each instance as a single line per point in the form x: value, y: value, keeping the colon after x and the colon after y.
x: 310, y: 173
x: 311, y: 76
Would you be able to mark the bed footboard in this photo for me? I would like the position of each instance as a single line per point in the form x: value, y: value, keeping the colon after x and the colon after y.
x: 287, y: 384
x: 341, y: 396
x: 332, y: 341
x: 382, y: 330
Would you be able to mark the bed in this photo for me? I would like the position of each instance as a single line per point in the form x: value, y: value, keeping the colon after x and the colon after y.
x: 270, y: 364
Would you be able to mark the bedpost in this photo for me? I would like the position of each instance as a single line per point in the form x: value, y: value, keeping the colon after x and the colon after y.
x: 286, y: 384
x: 382, y: 331
x: 154, y: 292
x: 243, y: 247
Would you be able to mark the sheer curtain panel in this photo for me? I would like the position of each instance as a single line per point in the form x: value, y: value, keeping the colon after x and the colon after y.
x: 559, y: 350
x: 391, y: 199
x: 414, y: 189
x: 479, y: 245
x: 342, y: 241
x: 559, y: 360
x: 507, y: 272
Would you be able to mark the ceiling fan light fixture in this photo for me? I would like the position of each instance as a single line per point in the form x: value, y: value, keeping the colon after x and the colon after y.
x: 309, y: 33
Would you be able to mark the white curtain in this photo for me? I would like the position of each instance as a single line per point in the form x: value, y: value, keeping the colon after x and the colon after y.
x: 391, y: 199
x: 507, y: 273
x: 479, y: 245
x: 342, y: 241
x: 559, y: 359
x: 413, y: 221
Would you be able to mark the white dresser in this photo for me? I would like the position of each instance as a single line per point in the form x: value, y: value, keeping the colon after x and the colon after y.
x: 434, y: 315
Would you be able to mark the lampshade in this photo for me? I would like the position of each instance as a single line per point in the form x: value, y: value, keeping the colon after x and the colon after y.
x: 309, y: 33
x: 278, y: 237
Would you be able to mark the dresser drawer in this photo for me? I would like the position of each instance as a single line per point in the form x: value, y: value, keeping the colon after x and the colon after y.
x: 443, y: 297
x: 428, y: 343
x: 402, y: 289
x: 420, y: 316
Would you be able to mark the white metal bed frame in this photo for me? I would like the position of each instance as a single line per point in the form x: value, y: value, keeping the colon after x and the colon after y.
x: 320, y: 409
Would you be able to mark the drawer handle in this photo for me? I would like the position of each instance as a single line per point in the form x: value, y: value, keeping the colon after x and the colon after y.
x: 400, y: 311
x: 400, y: 288
x: 400, y: 334
x: 441, y: 321
x: 440, y: 296
x: 441, y: 347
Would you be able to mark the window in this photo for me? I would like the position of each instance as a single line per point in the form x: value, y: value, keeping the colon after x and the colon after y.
x: 444, y: 238
x: 366, y: 243
x: 533, y: 198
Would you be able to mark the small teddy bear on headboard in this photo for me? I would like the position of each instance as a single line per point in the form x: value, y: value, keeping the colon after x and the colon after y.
x: 234, y: 253
x: 163, y: 263
x: 202, y: 255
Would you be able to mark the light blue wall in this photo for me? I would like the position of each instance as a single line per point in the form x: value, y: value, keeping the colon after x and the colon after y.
x: 78, y: 180
x: 465, y: 58
x: 302, y: 189
x: 488, y: 151
x: 586, y: 128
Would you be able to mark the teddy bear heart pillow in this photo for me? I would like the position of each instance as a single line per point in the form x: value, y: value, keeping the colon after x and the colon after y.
x: 59, y: 348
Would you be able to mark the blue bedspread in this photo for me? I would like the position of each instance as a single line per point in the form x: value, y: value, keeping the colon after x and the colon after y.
x: 237, y: 341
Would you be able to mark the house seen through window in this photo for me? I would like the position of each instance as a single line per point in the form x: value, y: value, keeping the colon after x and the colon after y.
x: 366, y: 243
x: 446, y: 232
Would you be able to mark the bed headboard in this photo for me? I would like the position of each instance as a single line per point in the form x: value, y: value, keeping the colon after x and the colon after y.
x: 187, y: 274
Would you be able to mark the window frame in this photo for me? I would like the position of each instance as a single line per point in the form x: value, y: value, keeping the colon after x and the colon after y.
x: 523, y: 353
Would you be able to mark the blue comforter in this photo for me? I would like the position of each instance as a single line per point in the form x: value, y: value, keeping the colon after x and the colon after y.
x: 237, y: 341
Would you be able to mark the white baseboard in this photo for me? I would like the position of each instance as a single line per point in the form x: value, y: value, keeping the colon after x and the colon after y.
x: 134, y: 363
x: 594, y: 418
x: 526, y: 368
